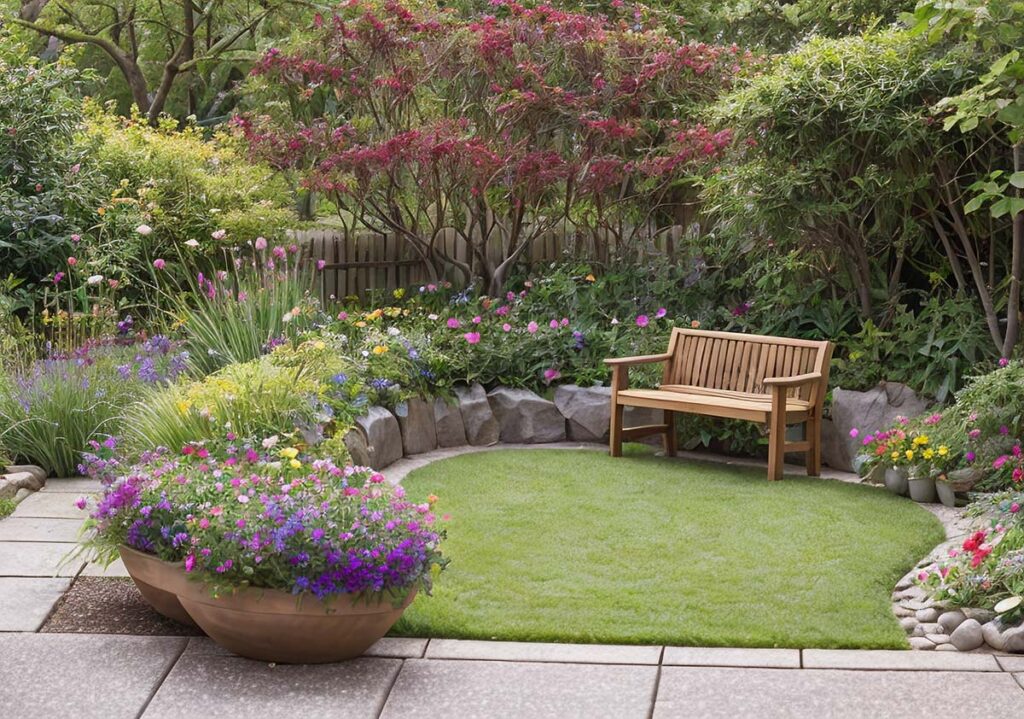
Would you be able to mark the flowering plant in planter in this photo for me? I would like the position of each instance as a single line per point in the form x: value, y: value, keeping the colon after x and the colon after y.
x: 260, y: 515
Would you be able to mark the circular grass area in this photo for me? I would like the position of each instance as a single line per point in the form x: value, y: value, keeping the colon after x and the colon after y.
x: 575, y: 546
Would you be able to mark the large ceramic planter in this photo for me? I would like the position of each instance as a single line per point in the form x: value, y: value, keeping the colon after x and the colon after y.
x: 922, y: 489
x: 158, y: 581
x: 274, y: 626
x: 896, y: 480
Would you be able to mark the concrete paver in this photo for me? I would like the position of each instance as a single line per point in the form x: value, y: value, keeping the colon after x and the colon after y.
x: 26, y: 602
x: 86, y: 676
x: 54, y: 505
x: 717, y: 692
x: 39, y: 529
x: 212, y: 685
x: 894, y: 659
x: 732, y: 657
x: 38, y: 559
x: 542, y: 652
x: 441, y: 688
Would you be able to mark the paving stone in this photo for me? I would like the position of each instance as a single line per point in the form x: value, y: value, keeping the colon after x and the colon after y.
x: 730, y: 657
x: 542, y: 652
x: 38, y: 559
x: 1019, y: 678
x: 1011, y: 664
x: 116, y: 569
x: 399, y: 647
x: 212, y: 685
x: 39, y: 529
x: 85, y: 676
x: 437, y: 688
x: 52, y: 505
x: 895, y: 659
x: 26, y: 602
x: 726, y: 693
x: 76, y: 485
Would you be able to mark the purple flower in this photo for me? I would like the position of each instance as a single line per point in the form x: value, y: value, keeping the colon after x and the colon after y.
x: 642, y: 321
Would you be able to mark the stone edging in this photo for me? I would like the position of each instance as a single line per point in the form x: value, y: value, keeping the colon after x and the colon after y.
x: 20, y: 481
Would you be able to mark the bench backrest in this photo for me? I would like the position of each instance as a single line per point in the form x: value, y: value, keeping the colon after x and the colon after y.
x: 741, y: 362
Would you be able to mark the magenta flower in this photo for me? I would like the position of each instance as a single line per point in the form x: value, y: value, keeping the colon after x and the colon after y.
x: 343, y: 316
x: 81, y: 502
x: 553, y: 324
x: 159, y: 263
x: 58, y: 277
x: 320, y: 264
x: 660, y: 313
x: 453, y: 323
x: 551, y: 374
x: 642, y: 321
x: 472, y: 337
x: 477, y: 320
x: 279, y: 252
x: 854, y: 433
x: 532, y: 328
x: 565, y: 322
x: 1004, y: 361
x: 506, y: 327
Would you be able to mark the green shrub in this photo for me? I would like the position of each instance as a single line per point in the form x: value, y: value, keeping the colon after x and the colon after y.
x: 7, y: 507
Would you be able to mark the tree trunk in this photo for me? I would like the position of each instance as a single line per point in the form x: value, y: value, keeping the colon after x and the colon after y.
x: 1016, y: 261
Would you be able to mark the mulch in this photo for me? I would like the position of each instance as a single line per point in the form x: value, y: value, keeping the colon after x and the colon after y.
x: 106, y: 605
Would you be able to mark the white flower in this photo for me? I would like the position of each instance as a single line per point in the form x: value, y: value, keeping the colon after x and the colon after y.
x: 94, y: 279
x: 432, y: 317
x: 192, y: 243
x: 144, y: 229
x: 615, y: 321
x: 218, y: 234
x: 366, y: 353
x: 394, y: 331
x: 286, y: 317
x: 243, y: 499
x: 269, y: 442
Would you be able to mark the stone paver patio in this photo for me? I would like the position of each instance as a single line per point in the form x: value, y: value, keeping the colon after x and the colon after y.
x: 111, y: 676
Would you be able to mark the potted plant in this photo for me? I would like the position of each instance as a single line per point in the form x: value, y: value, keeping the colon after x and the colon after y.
x: 276, y: 556
x: 884, y: 455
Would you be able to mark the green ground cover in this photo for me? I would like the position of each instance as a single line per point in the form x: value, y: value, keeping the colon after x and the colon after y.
x: 555, y: 545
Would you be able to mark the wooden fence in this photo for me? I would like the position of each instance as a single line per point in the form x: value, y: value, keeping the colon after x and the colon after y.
x: 366, y: 263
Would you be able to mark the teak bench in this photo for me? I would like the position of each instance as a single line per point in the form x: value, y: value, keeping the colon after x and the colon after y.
x: 773, y: 380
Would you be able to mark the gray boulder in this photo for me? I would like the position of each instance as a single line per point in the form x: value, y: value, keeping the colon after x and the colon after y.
x: 478, y: 420
x: 38, y: 472
x: 525, y: 417
x: 953, y: 619
x: 867, y: 412
x: 1013, y: 640
x: 383, y: 437
x: 419, y: 433
x: 11, y: 483
x: 992, y: 632
x: 587, y: 411
x: 451, y: 431
x: 967, y: 636
x: 358, y: 449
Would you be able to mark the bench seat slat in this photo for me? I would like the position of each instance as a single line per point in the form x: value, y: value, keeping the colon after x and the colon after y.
x: 722, y: 405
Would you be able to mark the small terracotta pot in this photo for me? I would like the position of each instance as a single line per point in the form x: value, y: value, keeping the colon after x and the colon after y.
x: 274, y: 626
x: 158, y: 581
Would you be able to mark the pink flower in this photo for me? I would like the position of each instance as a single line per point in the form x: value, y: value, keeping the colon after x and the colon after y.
x: 532, y: 328
x: 58, y: 277
x: 553, y: 324
x: 642, y: 321
x: 551, y: 374
x: 343, y: 316
x: 506, y: 327
x: 1014, y: 508
x: 320, y: 264
x: 76, y: 238
x: 190, y: 562
x: 565, y: 322
x: 922, y: 576
x: 854, y: 432
x: 217, y: 511
x: 453, y: 323
x: 159, y: 264
x: 220, y: 234
x: 1004, y: 361
x: 477, y: 320
x: 81, y: 502
x: 660, y: 313
x: 279, y: 252
x: 261, y: 243
x: 72, y: 261
x: 472, y: 337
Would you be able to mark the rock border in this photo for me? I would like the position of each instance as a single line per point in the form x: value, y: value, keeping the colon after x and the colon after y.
x: 20, y: 481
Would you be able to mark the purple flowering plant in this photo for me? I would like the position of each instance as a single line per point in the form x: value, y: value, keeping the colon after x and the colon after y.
x: 245, y: 514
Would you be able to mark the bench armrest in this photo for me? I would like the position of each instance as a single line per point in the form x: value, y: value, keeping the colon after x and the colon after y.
x: 794, y: 381
x: 639, y: 359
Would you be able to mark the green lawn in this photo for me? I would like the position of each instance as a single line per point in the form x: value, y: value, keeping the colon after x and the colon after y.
x: 556, y: 545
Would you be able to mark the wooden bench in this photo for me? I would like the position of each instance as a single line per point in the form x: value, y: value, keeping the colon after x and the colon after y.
x: 773, y: 380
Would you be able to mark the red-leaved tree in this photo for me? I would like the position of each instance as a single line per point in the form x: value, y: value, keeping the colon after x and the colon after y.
x: 415, y: 121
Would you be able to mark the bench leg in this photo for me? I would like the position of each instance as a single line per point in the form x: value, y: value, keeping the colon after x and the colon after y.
x: 813, y: 431
x: 669, y: 440
x: 615, y: 431
x: 776, y: 445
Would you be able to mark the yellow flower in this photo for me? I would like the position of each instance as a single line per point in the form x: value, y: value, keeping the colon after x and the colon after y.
x: 432, y: 499
x: 319, y: 345
x: 895, y: 456
x: 921, y: 439
x: 590, y: 278
x: 929, y: 453
x: 380, y: 349
x: 910, y: 454
x: 399, y: 293
x: 101, y: 211
x: 290, y: 452
x: 360, y: 323
x: 295, y: 464
x: 183, y: 406
x: 943, y: 450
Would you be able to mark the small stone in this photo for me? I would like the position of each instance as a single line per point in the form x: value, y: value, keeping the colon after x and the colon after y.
x: 951, y: 620
x: 927, y: 615
x: 900, y: 611
x: 915, y: 593
x: 982, y: 615
x: 915, y: 604
x: 920, y: 643
x: 908, y: 624
x: 22, y: 493
x: 993, y: 634
x: 967, y: 635
x: 1013, y: 640
x: 937, y: 639
x: 907, y: 581
x: 946, y: 648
